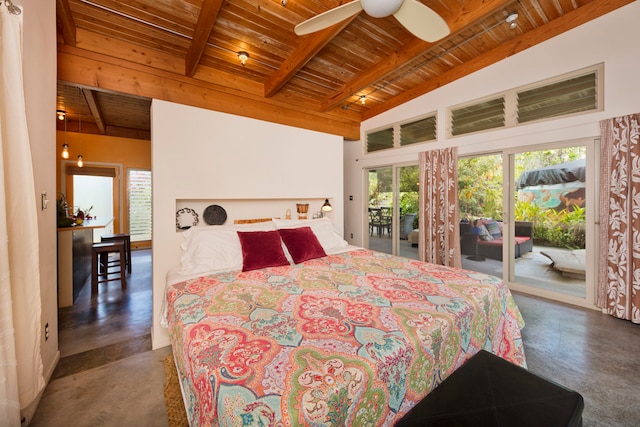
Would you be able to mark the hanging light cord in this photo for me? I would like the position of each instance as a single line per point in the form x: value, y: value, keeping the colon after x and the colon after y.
x: 12, y: 8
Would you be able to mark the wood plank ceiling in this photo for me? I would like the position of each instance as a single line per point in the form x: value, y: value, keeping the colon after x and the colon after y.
x: 114, y: 56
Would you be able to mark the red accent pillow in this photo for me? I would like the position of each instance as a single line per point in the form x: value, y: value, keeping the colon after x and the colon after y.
x: 261, y: 249
x: 302, y: 244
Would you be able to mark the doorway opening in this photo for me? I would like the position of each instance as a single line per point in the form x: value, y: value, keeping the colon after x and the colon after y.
x: 94, y: 195
x: 524, y: 218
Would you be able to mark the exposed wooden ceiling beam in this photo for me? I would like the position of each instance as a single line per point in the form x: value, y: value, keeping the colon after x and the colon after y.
x: 234, y: 84
x: 558, y: 26
x: 121, y: 132
x: 467, y: 13
x: 90, y: 97
x: 309, y: 46
x: 206, y: 21
x: 64, y: 20
x: 93, y: 69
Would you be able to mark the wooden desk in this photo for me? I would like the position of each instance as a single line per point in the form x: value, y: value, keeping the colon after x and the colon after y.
x: 74, y: 259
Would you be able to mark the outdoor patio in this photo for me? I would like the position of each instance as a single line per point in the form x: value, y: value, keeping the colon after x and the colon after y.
x: 532, y: 268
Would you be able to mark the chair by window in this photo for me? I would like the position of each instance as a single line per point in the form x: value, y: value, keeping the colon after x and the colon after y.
x: 385, y: 219
x: 379, y: 221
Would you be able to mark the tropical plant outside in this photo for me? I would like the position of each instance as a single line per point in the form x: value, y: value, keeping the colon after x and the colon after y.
x: 480, y: 196
x: 381, y: 188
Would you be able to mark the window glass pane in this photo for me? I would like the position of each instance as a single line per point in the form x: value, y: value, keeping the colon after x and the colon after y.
x: 558, y: 99
x: 139, y: 183
x: 477, y: 117
x: 380, y: 140
x: 418, y: 131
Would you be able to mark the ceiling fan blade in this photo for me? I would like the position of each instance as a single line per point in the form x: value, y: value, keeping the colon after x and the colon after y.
x: 328, y: 18
x: 422, y: 21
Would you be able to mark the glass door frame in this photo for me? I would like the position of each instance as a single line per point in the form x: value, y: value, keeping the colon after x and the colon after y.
x: 395, y: 212
x: 591, y: 223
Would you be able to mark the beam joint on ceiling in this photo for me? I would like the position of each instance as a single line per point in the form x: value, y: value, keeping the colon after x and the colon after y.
x: 86, y: 68
x: 92, y: 102
x: 463, y: 16
x: 558, y: 26
x: 65, y: 22
x: 308, y: 47
x: 204, y: 26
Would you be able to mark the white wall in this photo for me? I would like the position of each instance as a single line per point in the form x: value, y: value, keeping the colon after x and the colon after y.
x: 611, y: 39
x: 211, y: 157
x: 39, y: 47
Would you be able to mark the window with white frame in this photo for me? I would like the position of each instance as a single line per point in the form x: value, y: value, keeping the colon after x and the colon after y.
x: 139, y: 191
x: 574, y: 93
x: 380, y: 140
x: 417, y: 131
x: 407, y: 133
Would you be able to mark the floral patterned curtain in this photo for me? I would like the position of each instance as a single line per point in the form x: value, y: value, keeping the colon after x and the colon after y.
x: 619, y: 265
x: 440, y: 233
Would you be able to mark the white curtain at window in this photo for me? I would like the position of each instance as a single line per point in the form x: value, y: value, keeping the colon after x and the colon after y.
x: 21, y: 377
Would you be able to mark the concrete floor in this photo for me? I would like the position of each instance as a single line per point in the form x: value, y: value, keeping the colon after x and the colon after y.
x: 109, y: 376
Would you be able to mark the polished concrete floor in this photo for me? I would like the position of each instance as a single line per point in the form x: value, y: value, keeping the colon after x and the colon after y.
x: 109, y: 376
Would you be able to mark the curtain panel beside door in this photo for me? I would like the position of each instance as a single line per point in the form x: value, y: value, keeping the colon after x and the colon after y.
x: 439, y: 235
x: 619, y: 264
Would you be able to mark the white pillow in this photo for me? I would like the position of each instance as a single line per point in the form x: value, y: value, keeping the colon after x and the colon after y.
x: 323, y: 229
x: 215, y: 248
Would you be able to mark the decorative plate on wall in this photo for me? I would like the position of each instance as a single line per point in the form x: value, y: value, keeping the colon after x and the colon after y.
x: 214, y: 215
x: 186, y: 218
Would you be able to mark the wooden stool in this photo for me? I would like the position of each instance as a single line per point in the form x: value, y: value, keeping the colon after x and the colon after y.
x: 100, y: 257
x: 127, y: 246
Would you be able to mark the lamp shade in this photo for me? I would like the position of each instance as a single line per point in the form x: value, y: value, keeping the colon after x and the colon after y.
x: 326, y: 207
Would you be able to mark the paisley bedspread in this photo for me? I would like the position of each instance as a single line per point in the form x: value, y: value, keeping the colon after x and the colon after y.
x: 351, y: 339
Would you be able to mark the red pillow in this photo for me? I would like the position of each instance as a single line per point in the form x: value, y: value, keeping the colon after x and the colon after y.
x: 302, y: 244
x: 261, y: 249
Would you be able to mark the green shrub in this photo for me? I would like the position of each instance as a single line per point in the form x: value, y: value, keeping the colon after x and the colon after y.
x: 562, y: 229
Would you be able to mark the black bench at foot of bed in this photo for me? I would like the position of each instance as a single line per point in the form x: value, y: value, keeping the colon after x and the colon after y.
x: 488, y: 391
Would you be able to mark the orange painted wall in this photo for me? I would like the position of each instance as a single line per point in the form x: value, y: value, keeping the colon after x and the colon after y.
x: 130, y: 153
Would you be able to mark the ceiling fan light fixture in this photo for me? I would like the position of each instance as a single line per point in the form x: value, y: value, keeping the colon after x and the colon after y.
x: 243, y: 56
x: 363, y: 99
x: 61, y: 114
x: 381, y: 9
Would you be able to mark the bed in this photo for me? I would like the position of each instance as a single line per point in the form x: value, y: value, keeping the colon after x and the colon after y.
x: 316, y: 332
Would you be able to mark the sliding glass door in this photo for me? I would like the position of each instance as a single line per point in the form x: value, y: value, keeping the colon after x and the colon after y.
x: 480, y: 193
x: 525, y: 218
x: 549, y: 205
x: 392, y: 213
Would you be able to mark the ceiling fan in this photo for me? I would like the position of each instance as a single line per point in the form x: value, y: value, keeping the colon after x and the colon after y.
x: 419, y: 19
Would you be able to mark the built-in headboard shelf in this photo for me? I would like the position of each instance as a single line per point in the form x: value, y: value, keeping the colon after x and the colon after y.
x: 239, y: 209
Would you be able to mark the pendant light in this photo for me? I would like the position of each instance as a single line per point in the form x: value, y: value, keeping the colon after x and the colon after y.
x: 80, y: 161
x: 65, y: 146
